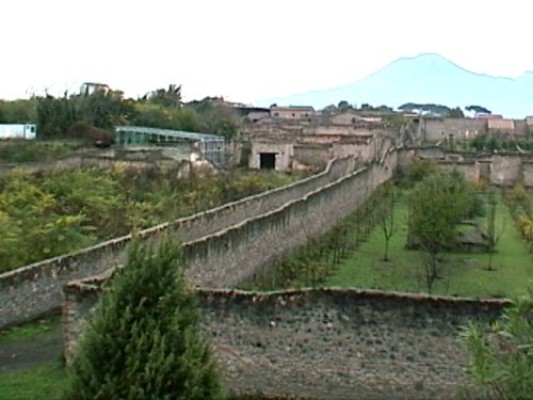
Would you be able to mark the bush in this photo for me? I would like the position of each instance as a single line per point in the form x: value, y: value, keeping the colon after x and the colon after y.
x: 501, y: 356
x: 144, y: 341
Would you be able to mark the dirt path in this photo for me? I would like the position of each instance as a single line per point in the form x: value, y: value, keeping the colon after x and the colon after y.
x: 18, y: 355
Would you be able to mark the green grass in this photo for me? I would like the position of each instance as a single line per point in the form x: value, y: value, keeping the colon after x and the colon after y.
x: 464, y: 274
x: 30, y: 330
x: 44, y: 383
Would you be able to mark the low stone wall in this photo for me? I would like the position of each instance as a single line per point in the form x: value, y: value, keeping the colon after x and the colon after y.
x: 505, y: 169
x: 33, y: 290
x: 326, y: 343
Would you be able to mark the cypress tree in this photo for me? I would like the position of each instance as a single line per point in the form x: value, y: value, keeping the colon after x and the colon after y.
x: 144, y: 340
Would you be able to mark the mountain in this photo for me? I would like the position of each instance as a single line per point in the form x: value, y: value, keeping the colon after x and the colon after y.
x: 427, y: 78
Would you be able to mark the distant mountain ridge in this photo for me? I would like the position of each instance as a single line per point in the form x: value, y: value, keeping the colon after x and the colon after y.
x: 427, y: 78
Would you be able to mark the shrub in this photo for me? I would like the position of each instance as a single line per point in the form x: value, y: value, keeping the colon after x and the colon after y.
x: 501, y: 356
x: 144, y: 341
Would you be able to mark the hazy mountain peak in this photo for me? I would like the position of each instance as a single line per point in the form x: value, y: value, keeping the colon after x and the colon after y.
x: 427, y: 78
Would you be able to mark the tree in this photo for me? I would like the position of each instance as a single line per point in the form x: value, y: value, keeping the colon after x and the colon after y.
x: 220, y: 119
x: 144, y: 341
x: 170, y: 97
x: 330, y: 110
x: 478, y: 109
x: 436, y: 205
x: 501, y: 355
x: 456, y: 113
x: 494, y: 235
x: 344, y: 105
x: 386, y: 197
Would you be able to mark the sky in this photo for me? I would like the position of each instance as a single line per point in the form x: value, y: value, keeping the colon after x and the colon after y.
x: 246, y: 51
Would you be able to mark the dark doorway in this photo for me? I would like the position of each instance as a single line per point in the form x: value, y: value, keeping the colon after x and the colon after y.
x: 267, y: 160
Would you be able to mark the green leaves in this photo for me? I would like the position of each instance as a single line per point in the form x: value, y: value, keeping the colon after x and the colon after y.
x: 144, y: 341
x: 60, y: 211
x: 437, y: 205
x: 501, y: 355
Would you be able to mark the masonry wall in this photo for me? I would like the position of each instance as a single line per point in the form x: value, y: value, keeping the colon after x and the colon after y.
x: 328, y: 343
x: 469, y: 169
x: 241, y: 251
x: 283, y: 155
x: 504, y: 169
x: 461, y: 128
x: 30, y: 291
x: 313, y: 154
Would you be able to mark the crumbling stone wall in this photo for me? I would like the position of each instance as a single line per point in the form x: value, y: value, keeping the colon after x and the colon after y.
x: 327, y: 343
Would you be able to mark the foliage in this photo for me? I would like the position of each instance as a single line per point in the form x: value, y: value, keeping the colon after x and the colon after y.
x: 344, y: 105
x: 158, y: 116
x: 102, y: 110
x: 431, y: 108
x: 478, y: 109
x: 170, y: 97
x: 387, y: 197
x: 161, y: 108
x: 501, y: 356
x: 330, y: 110
x: 18, y: 111
x: 55, y: 116
x: 145, y: 340
x: 59, y: 211
x: 415, y: 172
x: 462, y: 274
x: 314, y: 262
x: 216, y: 117
x: 437, y: 204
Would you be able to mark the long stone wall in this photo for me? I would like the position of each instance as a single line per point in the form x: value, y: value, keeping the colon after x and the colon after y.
x: 240, y: 251
x: 234, y: 254
x: 327, y: 343
x: 33, y: 290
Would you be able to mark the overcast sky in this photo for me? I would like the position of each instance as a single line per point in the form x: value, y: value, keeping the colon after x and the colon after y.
x: 248, y: 50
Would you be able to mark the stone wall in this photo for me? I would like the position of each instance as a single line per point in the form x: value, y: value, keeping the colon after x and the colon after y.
x: 436, y: 129
x: 505, y: 169
x: 469, y: 169
x: 237, y: 253
x: 327, y: 343
x: 313, y: 154
x: 33, y: 290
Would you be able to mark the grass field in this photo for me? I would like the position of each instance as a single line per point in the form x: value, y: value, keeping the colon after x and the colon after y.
x: 463, y: 275
x: 44, y: 383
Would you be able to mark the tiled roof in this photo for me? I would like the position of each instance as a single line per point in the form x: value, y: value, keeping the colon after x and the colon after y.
x: 501, y: 124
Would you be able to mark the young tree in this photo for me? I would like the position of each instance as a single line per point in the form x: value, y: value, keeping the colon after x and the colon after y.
x: 493, y: 233
x: 501, y: 356
x: 144, y: 341
x: 437, y: 204
x: 386, y: 215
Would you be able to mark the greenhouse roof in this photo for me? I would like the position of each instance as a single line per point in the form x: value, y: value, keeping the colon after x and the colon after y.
x: 201, y: 137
